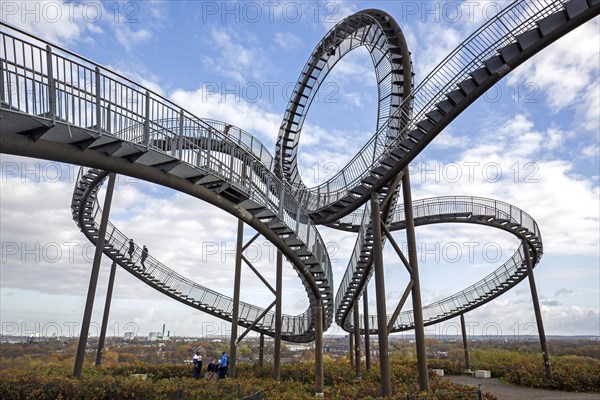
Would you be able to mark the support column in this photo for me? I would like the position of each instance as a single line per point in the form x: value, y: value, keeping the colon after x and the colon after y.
x: 319, y: 349
x: 111, y: 281
x: 366, y: 328
x: 236, y: 299
x: 261, y: 350
x: 384, y: 359
x: 465, y: 344
x: 538, y: 313
x: 357, y: 341
x: 416, y: 289
x: 89, y: 304
x: 277, y: 339
x: 351, y: 349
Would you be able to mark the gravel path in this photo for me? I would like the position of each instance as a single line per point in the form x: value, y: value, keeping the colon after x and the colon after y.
x: 504, y: 391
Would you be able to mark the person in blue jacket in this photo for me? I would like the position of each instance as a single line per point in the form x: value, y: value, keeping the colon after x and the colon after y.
x: 223, y: 365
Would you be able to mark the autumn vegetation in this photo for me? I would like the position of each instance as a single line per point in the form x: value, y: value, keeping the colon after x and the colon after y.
x: 42, y: 370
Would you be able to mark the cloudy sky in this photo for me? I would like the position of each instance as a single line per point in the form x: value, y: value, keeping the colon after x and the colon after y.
x: 532, y: 140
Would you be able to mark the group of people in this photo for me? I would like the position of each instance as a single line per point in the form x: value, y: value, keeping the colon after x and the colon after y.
x: 215, y: 369
x: 144, y: 253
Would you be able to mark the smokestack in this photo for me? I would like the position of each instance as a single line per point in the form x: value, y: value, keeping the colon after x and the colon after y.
x: 163, y: 330
x: 168, y: 333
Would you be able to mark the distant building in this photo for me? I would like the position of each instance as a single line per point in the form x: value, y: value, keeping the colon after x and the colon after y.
x: 155, y: 336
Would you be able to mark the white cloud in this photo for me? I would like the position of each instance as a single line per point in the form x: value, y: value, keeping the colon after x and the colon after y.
x: 511, y: 164
x: 567, y: 72
x: 57, y: 22
x: 236, y: 56
x: 129, y: 38
x: 591, y: 151
x: 288, y: 41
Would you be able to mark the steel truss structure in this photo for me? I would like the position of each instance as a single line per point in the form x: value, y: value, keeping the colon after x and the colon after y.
x: 59, y: 106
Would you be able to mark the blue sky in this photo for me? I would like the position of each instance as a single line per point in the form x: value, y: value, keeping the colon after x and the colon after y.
x: 533, y: 141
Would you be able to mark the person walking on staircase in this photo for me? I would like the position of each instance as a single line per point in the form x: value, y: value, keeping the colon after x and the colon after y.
x: 144, y: 256
x: 131, y: 248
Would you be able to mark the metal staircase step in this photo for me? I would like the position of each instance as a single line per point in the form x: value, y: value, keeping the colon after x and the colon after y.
x: 467, y: 86
x: 529, y: 38
x: 456, y: 96
x: 480, y: 75
x: 510, y: 52
x: 576, y: 7
x: 494, y: 64
x: 445, y: 106
x: 435, y: 116
x: 552, y: 22
x: 418, y: 134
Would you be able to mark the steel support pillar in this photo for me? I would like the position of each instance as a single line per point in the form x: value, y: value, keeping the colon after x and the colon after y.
x: 89, y: 304
x: 416, y: 289
x: 261, y: 350
x: 351, y: 349
x: 111, y: 281
x: 384, y: 359
x: 236, y: 299
x: 319, y: 348
x: 538, y: 312
x: 366, y: 329
x: 465, y: 343
x: 357, y: 365
x: 277, y: 339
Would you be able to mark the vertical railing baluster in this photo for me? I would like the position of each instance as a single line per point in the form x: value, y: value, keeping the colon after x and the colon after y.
x: 51, y: 84
x: 267, y: 190
x: 98, y: 101
x: 231, y: 156
x: 2, y: 98
x: 147, y: 121
x: 179, y: 142
x: 208, y: 147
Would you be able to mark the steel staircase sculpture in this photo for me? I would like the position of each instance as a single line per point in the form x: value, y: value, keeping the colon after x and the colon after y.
x: 60, y: 106
x: 451, y: 209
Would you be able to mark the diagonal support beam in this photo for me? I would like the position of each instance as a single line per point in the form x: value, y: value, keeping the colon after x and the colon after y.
x: 248, y: 329
x: 403, y: 299
x: 391, y: 190
x: 388, y: 234
x: 537, y: 311
x: 258, y: 274
x: 250, y: 241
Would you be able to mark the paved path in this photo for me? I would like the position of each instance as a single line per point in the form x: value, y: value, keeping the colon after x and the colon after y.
x: 504, y: 391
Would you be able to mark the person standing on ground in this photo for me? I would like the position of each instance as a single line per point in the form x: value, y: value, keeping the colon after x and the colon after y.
x: 224, y: 365
x: 197, y: 360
